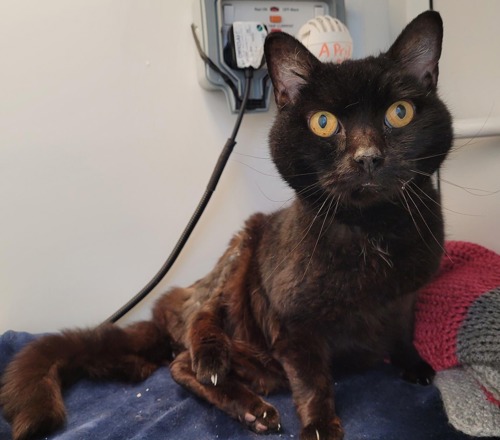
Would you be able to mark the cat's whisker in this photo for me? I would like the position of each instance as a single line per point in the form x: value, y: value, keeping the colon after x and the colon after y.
x: 405, y: 182
x: 251, y: 156
x: 276, y: 174
x: 318, y: 199
x: 283, y: 202
x: 450, y: 152
x: 256, y: 170
x: 431, y: 156
x: 339, y: 199
x: 351, y: 105
x: 381, y: 252
x: 303, y: 192
x: 321, y: 232
x: 409, y: 187
x: 478, y: 132
x: 312, y: 173
x: 472, y: 141
x: 314, y: 186
x: 473, y: 191
x: 416, y: 187
x: 426, y: 225
x: 304, y: 233
x: 408, y: 209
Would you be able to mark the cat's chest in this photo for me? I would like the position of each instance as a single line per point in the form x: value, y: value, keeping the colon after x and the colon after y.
x: 350, y: 269
x: 352, y: 251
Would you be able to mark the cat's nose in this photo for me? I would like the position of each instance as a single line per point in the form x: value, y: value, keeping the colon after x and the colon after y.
x: 369, y: 159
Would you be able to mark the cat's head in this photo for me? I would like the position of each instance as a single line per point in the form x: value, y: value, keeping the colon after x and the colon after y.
x: 360, y: 129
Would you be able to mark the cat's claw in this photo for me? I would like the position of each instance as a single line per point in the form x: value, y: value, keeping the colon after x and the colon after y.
x: 421, y: 374
x: 332, y: 431
x: 211, y: 364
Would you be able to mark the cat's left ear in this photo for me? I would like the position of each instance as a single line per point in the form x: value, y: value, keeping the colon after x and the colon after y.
x: 418, y: 48
x: 290, y: 65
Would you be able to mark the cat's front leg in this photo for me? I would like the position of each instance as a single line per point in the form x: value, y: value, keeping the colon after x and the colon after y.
x: 210, y: 347
x: 414, y: 368
x: 306, y: 360
x: 403, y: 352
x: 231, y: 396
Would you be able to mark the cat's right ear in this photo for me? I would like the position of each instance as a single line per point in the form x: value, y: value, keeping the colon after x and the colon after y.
x: 289, y: 64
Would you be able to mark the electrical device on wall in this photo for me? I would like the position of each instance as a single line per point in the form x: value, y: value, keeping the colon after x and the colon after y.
x: 327, y: 38
x: 213, y: 29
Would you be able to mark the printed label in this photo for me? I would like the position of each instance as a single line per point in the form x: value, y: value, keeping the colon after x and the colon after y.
x: 249, y: 43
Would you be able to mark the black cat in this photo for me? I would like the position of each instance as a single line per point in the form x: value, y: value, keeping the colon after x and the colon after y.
x: 328, y: 282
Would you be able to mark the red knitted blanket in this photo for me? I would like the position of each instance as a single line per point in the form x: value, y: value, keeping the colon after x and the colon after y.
x: 457, y: 330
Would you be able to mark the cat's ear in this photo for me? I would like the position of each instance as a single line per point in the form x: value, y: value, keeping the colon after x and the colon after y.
x: 418, y: 48
x: 289, y: 64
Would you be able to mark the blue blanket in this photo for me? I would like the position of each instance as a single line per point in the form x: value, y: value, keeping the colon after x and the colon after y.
x: 376, y: 405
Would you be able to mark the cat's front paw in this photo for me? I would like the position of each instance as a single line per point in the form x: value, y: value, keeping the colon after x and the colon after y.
x: 262, y: 418
x: 211, y: 362
x: 320, y: 431
x: 422, y: 374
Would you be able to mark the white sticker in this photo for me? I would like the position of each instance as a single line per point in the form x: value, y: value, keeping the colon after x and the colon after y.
x: 249, y: 37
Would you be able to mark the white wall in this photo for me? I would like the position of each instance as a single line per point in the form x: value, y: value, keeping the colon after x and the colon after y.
x: 470, y: 84
x: 106, y: 145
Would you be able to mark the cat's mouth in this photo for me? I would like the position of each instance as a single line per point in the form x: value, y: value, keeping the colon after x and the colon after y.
x: 365, y: 192
x: 361, y: 190
x: 370, y: 185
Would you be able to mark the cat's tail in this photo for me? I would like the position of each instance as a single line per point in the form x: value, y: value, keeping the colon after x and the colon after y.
x: 31, y: 388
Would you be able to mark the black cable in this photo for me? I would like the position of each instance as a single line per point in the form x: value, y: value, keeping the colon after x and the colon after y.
x: 212, y: 183
x: 214, y: 66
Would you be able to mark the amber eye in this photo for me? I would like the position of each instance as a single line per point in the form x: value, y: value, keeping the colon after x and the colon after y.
x: 399, y: 114
x: 323, y: 124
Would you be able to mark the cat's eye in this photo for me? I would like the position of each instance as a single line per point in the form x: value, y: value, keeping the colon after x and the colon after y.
x: 399, y: 114
x: 324, y: 124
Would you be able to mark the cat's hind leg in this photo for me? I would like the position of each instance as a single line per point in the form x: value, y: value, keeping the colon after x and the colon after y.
x: 257, y: 368
x: 230, y: 396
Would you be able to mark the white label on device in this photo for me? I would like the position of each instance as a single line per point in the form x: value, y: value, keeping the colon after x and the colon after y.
x: 249, y: 39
